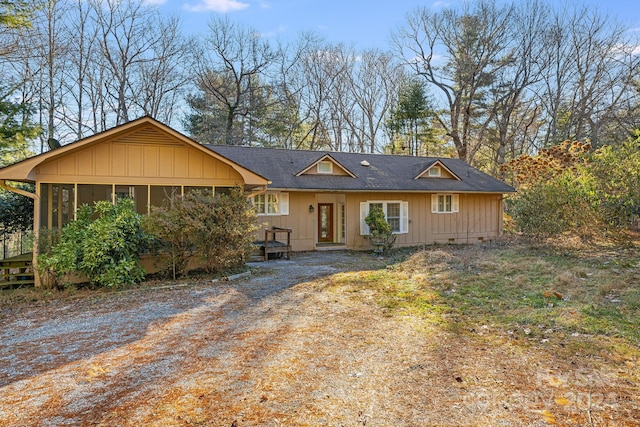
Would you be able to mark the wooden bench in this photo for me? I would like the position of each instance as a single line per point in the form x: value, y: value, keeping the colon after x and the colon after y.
x: 271, y: 244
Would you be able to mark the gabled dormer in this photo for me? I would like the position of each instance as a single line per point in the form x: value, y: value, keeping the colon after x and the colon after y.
x: 437, y: 170
x: 326, y: 165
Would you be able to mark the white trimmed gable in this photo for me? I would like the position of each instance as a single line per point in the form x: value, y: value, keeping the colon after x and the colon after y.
x: 437, y: 170
x: 326, y: 165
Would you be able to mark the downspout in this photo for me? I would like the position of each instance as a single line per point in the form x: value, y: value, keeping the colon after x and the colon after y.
x: 501, y: 199
x: 36, y: 225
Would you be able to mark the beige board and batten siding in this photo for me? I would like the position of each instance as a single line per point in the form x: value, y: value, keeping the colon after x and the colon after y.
x: 145, y: 156
x: 300, y: 221
x: 479, y: 218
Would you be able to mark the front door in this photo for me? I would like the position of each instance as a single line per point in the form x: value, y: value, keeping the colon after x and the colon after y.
x: 325, y: 222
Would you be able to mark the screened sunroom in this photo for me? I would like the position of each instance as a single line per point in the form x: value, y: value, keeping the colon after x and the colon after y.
x: 144, y: 160
x: 58, y: 202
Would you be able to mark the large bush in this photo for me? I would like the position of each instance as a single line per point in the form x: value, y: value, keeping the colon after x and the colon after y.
x: 16, y: 210
x: 218, y: 229
x: 168, y: 226
x: 105, y: 249
x: 569, y: 188
x: 617, y: 171
x: 566, y: 203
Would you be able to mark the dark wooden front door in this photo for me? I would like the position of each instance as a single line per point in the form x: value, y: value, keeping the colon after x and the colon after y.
x: 325, y: 222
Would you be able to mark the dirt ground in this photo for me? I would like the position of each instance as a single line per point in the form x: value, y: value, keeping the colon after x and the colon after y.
x: 281, y: 347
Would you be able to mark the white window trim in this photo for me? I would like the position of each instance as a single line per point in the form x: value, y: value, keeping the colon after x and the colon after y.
x: 455, y: 203
x: 325, y: 163
x: 404, y: 215
x: 283, y: 203
x: 435, y: 171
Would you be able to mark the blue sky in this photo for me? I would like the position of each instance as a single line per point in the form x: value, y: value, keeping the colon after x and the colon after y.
x: 365, y: 24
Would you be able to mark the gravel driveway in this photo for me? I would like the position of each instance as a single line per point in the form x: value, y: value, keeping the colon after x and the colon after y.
x: 129, y: 358
x: 283, y: 347
x: 40, y: 338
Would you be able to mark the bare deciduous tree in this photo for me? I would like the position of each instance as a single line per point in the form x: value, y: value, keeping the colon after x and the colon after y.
x: 511, y: 79
x: 322, y: 67
x: 513, y: 111
x: 88, y: 65
x: 229, y: 70
x: 164, y: 75
x: 458, y: 52
x: 375, y: 89
x: 591, y: 64
x: 78, y: 76
x: 126, y: 41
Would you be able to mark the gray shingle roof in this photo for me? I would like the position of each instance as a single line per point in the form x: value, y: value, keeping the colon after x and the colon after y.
x: 384, y: 173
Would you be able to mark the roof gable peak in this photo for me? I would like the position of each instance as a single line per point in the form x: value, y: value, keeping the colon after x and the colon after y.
x: 438, y: 170
x: 326, y: 165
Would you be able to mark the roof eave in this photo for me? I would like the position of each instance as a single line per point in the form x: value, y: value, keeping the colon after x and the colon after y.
x: 369, y: 190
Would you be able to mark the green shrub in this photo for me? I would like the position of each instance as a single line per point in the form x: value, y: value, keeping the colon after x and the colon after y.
x: 617, y: 170
x: 380, y: 234
x: 599, y: 195
x: 218, y: 229
x: 567, y: 203
x: 106, y: 249
x: 167, y: 225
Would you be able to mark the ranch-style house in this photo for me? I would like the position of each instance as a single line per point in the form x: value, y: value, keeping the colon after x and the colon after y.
x: 322, y: 197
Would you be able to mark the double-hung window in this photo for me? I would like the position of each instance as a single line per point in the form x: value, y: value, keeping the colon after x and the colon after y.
x: 271, y: 203
x: 393, y: 216
x: 395, y: 212
x: 444, y: 203
x: 259, y: 203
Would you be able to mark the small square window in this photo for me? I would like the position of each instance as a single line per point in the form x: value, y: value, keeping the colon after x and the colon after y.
x: 444, y: 203
x: 435, y: 171
x: 325, y: 167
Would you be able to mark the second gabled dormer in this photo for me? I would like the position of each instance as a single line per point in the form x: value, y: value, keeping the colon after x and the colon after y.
x: 326, y: 165
x: 437, y: 170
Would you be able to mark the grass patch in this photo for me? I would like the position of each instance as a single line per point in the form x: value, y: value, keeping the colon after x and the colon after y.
x: 586, y: 300
x: 396, y: 293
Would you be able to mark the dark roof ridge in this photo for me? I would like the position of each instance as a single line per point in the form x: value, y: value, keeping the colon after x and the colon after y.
x: 380, y: 172
x: 327, y: 152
